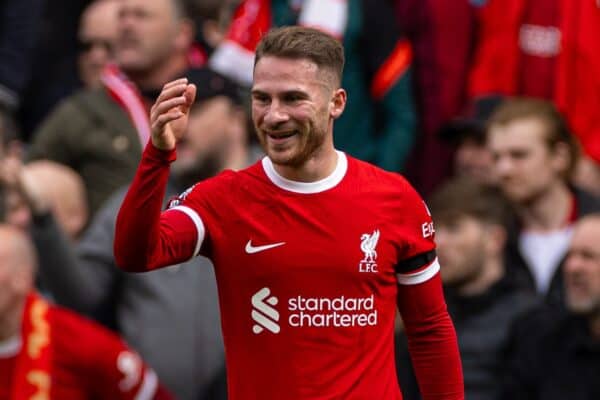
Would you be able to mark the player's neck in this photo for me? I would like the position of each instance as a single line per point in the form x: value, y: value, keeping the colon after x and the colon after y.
x: 549, y: 211
x: 319, y: 166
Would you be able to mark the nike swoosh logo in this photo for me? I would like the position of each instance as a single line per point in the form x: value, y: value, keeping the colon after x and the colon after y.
x: 256, y: 249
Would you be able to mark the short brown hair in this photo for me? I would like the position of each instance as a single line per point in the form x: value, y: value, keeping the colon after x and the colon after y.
x: 557, y: 129
x: 298, y: 42
x: 463, y: 197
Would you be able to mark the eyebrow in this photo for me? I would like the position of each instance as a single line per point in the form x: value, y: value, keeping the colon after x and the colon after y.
x: 293, y: 92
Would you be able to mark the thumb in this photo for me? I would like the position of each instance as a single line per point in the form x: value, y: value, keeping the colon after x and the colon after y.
x: 190, y: 96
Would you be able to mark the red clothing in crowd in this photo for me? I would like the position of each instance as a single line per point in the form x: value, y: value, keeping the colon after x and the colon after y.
x: 309, y: 276
x: 62, y: 356
x: 440, y: 33
x: 544, y: 48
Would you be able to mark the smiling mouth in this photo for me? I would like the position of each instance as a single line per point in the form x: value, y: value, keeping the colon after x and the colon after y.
x: 281, y: 136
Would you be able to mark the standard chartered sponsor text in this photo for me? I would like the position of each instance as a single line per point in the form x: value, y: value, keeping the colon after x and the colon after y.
x: 327, y: 312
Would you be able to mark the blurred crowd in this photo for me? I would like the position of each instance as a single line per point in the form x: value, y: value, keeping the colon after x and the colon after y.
x: 489, y: 107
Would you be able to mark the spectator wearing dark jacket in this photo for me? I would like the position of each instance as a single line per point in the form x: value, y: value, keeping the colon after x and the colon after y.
x: 556, y: 354
x: 534, y: 156
x: 471, y: 231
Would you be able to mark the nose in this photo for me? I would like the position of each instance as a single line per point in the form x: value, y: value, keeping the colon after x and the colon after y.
x: 275, y: 114
x: 502, y: 165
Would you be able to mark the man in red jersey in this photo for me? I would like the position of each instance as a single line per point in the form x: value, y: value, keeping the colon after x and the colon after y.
x: 312, y: 249
x: 50, y: 353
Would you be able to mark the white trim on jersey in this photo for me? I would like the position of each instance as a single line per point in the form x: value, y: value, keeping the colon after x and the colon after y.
x: 421, y: 276
x: 307, y: 187
x: 197, y: 221
x: 148, y: 387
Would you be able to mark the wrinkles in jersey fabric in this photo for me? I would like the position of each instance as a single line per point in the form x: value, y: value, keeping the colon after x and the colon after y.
x: 148, y: 240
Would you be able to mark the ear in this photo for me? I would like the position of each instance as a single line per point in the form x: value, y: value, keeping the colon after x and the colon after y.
x: 185, y: 35
x: 561, y: 157
x: 338, y: 103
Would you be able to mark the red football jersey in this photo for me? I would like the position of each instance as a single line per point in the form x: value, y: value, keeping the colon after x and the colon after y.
x: 309, y: 276
x: 88, y: 362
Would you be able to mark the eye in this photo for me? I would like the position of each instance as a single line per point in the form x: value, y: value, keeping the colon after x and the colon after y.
x: 260, y: 98
x: 293, y: 97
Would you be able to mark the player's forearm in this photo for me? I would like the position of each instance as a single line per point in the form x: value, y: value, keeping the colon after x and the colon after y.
x: 138, y: 245
x: 432, y: 341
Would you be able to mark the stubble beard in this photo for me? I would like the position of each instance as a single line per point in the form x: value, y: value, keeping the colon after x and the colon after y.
x: 307, y: 142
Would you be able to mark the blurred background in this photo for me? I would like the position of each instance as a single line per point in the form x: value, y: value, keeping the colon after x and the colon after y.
x: 490, y: 108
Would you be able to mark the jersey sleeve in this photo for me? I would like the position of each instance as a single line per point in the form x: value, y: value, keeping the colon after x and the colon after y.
x: 147, y: 238
x: 205, y: 204
x: 430, y: 332
x: 418, y: 261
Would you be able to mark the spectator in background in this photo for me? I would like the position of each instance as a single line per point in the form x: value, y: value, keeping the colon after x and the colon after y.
x: 379, y: 122
x: 556, y: 355
x: 472, y: 157
x: 47, y: 352
x: 534, y: 156
x: 472, y: 223
x: 441, y: 33
x: 100, y: 132
x: 546, y: 49
x: 60, y: 191
x: 96, y: 38
x: 171, y: 317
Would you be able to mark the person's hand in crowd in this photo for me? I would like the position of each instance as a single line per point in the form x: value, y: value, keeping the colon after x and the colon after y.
x: 169, y: 114
x: 14, y: 175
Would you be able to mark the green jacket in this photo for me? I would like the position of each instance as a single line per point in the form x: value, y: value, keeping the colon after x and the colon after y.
x: 90, y: 133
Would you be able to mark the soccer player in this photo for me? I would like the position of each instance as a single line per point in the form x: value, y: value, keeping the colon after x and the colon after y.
x: 50, y: 353
x: 312, y: 248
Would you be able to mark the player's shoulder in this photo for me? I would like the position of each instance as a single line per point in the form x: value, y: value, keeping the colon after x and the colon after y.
x: 374, y: 175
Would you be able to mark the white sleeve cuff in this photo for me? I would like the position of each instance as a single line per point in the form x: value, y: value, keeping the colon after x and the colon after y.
x: 421, y: 276
x: 197, y: 222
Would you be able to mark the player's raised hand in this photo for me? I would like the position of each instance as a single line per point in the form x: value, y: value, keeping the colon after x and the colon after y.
x: 169, y: 114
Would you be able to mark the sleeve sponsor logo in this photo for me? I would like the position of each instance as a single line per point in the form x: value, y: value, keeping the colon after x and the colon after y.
x: 427, y: 229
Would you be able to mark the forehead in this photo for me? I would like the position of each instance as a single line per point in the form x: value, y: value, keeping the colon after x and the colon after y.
x: 164, y: 6
x: 275, y: 74
x: 523, y: 133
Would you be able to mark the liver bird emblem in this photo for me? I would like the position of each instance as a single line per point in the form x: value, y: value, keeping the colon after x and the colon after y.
x: 368, y: 244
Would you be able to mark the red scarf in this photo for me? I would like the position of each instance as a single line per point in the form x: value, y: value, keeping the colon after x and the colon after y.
x: 252, y: 19
x: 32, y: 377
x: 125, y: 93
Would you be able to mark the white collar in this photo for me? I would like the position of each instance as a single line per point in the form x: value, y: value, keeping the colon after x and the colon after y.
x: 308, y: 187
x: 10, y: 347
